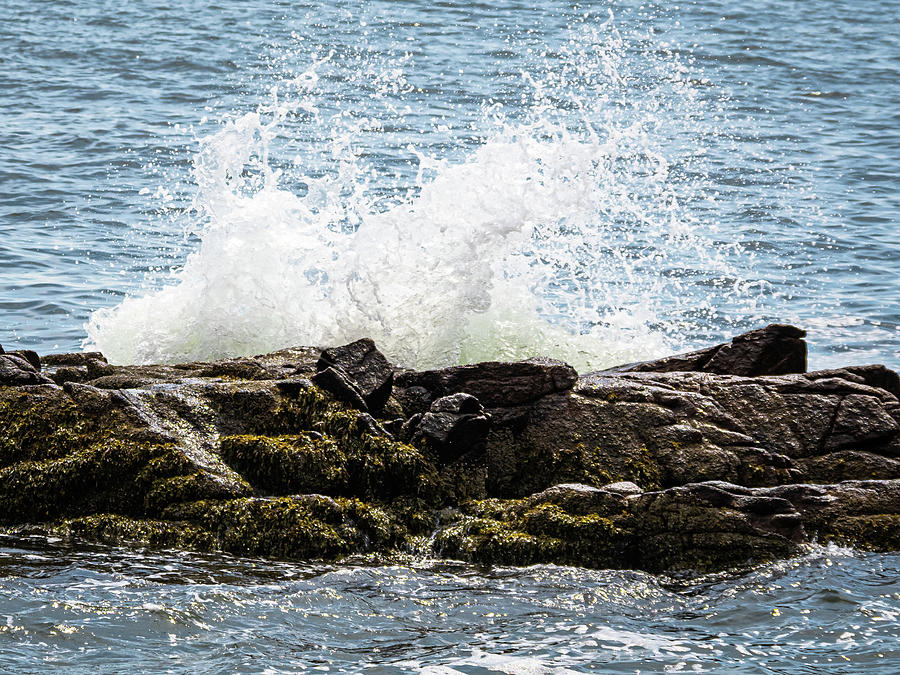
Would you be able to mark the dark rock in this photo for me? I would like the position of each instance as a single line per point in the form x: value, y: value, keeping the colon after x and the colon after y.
x: 395, y: 427
x: 666, y: 429
x: 293, y: 387
x: 703, y: 525
x: 458, y: 404
x: 16, y: 370
x: 73, y: 359
x: 288, y: 363
x: 865, y: 514
x: 777, y: 349
x: 97, y: 368
x: 654, y: 470
x: 366, y: 367
x: 624, y: 487
x: 336, y: 382
x: 118, y: 381
x: 30, y: 356
x: 455, y: 425
x: 93, y: 401
x: 64, y: 374
x: 243, y: 369
x: 579, y: 499
x: 408, y: 428
x: 370, y: 425
x: 495, y: 384
x: 876, y: 376
x: 848, y: 465
x: 414, y: 400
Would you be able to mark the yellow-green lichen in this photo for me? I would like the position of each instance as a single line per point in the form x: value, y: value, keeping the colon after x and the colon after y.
x: 297, y: 463
x: 311, y: 526
x: 97, y: 478
x: 113, y: 475
x: 114, y: 529
x: 874, y: 532
x: 488, y: 541
x: 508, y: 532
x: 311, y: 443
x: 35, y: 427
x: 642, y: 469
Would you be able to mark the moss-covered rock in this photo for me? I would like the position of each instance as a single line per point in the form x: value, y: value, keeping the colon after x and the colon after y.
x: 42, y: 423
x: 309, y: 526
x: 330, y: 450
x: 671, y: 529
x: 281, y: 465
x: 111, y: 476
x: 522, y: 532
x: 248, y: 456
x: 872, y: 532
x: 116, y: 530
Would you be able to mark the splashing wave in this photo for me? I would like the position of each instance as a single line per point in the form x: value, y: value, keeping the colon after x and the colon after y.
x: 567, y: 231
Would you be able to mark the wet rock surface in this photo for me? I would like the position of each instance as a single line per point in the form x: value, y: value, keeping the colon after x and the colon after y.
x: 737, y: 457
x: 453, y: 426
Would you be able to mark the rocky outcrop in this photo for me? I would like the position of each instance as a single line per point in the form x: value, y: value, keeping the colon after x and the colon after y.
x: 494, y: 384
x: 667, y: 429
x: 309, y: 453
x: 706, y: 525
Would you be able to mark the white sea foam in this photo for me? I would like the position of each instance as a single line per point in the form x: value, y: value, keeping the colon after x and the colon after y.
x: 566, y: 232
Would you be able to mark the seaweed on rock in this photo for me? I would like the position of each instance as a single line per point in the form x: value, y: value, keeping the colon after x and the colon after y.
x: 646, y: 466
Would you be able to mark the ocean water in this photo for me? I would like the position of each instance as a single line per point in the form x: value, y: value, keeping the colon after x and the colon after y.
x: 110, y: 611
x: 596, y: 181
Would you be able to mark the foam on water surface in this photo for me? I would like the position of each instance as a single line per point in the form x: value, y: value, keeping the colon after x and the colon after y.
x: 569, y: 230
x: 830, y: 611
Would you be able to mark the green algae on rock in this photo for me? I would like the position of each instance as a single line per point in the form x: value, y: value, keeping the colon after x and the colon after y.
x: 719, y: 458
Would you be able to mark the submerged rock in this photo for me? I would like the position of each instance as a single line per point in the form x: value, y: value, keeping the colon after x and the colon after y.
x: 304, y: 453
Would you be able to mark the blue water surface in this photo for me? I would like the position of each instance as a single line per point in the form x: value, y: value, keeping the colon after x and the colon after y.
x: 102, y: 106
x: 95, y: 609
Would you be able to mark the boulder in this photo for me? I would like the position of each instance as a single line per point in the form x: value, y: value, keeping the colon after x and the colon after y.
x: 72, y: 359
x: 703, y: 526
x: 579, y: 499
x: 336, y: 382
x: 494, y: 384
x: 455, y: 425
x: 30, y: 356
x: 16, y: 370
x: 711, y: 525
x: 777, y: 349
x: 666, y: 429
x: 366, y: 367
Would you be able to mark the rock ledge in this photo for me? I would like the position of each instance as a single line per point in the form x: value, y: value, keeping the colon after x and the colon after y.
x: 719, y: 458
